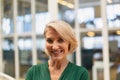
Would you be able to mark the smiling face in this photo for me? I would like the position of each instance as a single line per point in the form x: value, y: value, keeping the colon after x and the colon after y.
x: 56, y: 47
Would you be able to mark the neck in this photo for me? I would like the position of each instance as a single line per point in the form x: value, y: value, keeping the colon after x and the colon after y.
x: 58, y: 64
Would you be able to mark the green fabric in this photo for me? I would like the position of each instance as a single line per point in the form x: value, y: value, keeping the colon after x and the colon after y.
x: 71, y: 72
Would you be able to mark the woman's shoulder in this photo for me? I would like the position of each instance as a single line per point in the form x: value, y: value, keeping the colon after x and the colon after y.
x: 36, y: 71
x: 79, y: 72
x: 78, y: 68
x: 38, y: 66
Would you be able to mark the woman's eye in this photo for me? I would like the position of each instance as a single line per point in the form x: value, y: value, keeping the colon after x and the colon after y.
x: 49, y: 41
x: 60, y: 40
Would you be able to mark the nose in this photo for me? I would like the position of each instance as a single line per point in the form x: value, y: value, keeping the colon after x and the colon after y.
x: 55, y: 46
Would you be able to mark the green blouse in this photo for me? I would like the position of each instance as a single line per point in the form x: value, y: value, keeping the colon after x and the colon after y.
x: 71, y: 72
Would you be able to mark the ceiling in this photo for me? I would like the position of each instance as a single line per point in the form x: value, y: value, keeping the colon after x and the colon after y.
x: 85, y: 3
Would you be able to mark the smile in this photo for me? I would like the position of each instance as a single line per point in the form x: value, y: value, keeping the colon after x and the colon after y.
x: 57, y: 52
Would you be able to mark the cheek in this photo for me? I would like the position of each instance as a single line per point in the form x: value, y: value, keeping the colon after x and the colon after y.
x: 47, y: 46
x: 66, y: 46
x: 47, y: 49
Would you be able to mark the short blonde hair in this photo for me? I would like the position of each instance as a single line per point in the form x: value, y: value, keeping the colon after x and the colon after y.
x: 65, y: 31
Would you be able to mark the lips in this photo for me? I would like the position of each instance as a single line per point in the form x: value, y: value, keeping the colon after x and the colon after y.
x: 57, y: 52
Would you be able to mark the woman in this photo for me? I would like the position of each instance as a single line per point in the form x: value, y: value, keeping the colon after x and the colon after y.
x: 60, y: 41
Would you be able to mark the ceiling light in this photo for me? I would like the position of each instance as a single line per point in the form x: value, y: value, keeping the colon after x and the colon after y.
x: 90, y: 34
x: 65, y: 3
x: 118, y: 32
x: 109, y: 1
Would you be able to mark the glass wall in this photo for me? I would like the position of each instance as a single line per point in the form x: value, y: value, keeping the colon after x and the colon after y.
x: 7, y: 16
x: 41, y: 18
x: 8, y: 56
x: 92, y: 38
x: 26, y: 34
x: 41, y: 55
x: 90, y: 23
x: 7, y: 43
x: 25, y: 54
x: 113, y: 17
x: 41, y: 15
x: 24, y: 16
x: 66, y: 11
x: 22, y: 23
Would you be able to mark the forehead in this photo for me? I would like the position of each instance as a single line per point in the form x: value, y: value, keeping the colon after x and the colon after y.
x: 51, y: 32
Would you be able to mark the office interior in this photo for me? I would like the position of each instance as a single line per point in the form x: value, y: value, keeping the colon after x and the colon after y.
x: 95, y: 22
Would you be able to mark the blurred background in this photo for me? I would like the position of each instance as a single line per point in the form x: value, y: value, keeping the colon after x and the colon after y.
x: 96, y: 24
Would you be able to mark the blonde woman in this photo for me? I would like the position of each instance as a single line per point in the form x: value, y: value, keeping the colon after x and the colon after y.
x: 60, y: 41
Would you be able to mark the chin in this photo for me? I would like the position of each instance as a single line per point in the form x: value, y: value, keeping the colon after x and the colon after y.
x: 57, y: 58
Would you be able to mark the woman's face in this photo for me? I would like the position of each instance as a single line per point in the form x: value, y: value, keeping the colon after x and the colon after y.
x: 57, y: 47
